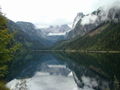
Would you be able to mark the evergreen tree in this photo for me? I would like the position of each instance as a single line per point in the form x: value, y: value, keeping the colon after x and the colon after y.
x: 8, y: 46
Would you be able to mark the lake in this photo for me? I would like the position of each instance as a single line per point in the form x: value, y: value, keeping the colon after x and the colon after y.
x: 64, y: 71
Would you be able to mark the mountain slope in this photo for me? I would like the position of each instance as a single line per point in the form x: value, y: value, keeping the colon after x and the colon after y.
x: 105, y: 37
x: 34, y: 33
x: 99, y: 30
x: 27, y: 41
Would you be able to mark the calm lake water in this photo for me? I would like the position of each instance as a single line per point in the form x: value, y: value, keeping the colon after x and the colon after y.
x: 64, y: 71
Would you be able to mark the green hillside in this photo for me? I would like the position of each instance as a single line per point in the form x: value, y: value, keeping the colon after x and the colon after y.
x: 105, y: 37
x: 28, y: 42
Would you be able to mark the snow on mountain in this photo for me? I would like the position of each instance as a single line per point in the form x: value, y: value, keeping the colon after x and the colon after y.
x: 84, y: 23
x: 89, y: 19
x: 56, y: 30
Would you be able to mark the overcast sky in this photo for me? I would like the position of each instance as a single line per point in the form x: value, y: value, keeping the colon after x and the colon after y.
x: 48, y: 12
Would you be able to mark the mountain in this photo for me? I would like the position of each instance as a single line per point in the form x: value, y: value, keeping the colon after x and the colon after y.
x: 30, y: 28
x: 27, y: 35
x: 105, y: 37
x: 99, y: 30
x: 85, y: 23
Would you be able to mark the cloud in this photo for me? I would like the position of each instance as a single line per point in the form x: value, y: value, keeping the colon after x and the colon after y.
x: 106, y: 9
x: 89, y: 19
x: 48, y: 12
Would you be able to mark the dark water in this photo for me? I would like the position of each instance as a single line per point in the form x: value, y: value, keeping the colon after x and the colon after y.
x: 65, y: 71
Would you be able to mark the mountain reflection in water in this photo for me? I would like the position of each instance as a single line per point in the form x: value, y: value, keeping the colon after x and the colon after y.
x: 63, y: 71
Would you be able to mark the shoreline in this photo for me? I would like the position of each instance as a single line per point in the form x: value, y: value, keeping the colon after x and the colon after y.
x: 72, y: 51
x: 81, y: 51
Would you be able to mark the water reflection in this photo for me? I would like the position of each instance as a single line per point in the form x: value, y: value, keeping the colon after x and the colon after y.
x: 64, y: 71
